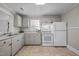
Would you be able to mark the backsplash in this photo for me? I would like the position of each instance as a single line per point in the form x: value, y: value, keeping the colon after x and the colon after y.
x: 43, y: 19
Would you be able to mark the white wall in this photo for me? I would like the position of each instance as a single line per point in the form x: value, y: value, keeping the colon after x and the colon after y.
x: 13, y: 29
x: 43, y: 19
x: 6, y: 15
x: 72, y: 17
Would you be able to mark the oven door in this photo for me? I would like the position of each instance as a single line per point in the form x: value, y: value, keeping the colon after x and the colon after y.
x: 47, y: 38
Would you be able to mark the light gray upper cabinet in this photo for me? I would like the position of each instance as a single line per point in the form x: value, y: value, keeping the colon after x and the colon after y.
x: 5, y: 47
x: 25, y: 22
x: 18, y: 21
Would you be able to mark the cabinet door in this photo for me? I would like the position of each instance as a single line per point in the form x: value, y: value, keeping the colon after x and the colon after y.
x: 5, y: 48
x: 18, y: 21
x: 27, y: 38
x: 14, y: 45
x: 37, y: 38
x: 32, y: 38
x: 17, y: 43
x: 21, y: 37
x: 20, y: 41
x: 25, y: 22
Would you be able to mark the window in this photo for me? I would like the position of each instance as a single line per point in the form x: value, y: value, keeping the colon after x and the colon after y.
x: 35, y: 24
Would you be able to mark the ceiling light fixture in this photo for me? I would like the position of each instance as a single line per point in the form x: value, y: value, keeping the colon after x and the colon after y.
x: 40, y: 3
x: 22, y: 9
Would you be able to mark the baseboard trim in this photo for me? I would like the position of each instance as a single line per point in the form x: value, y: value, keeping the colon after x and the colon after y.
x: 73, y: 49
x: 32, y: 45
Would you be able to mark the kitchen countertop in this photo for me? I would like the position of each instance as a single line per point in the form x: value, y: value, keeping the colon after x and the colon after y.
x: 4, y: 37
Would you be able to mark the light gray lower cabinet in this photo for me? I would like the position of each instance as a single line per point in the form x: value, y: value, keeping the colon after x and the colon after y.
x: 32, y: 38
x: 11, y: 45
x: 14, y: 45
x: 17, y: 43
x: 5, y: 47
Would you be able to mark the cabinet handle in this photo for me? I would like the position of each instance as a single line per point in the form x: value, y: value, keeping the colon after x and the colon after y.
x: 4, y: 42
x: 17, y: 40
x: 10, y: 44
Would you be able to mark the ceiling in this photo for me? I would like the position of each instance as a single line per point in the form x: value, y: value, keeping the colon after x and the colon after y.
x: 32, y: 9
x: 3, y: 15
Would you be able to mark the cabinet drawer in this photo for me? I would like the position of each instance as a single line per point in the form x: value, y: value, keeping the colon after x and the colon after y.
x: 5, y: 42
x: 5, y: 47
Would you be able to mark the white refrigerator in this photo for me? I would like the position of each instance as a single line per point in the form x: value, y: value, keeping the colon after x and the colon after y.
x: 59, y: 32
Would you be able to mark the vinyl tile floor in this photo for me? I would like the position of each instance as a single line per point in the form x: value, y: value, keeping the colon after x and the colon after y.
x: 45, y: 51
